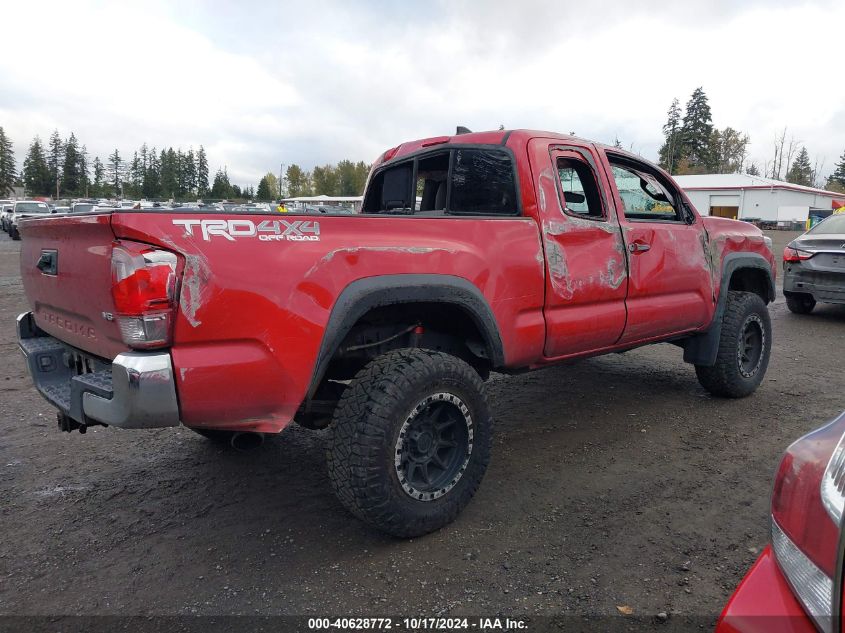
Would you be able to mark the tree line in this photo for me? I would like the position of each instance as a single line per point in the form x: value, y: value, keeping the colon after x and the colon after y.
x: 693, y: 145
x: 344, y: 179
x: 63, y: 168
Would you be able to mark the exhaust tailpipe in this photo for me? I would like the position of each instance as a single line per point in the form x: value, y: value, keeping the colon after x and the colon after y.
x: 247, y: 441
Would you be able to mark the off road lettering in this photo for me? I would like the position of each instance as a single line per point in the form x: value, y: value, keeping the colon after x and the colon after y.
x: 266, y: 231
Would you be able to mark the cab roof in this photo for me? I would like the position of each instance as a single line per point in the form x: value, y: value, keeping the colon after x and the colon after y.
x: 514, y: 139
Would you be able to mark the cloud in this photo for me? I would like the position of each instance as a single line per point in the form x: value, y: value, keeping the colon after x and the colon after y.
x: 260, y: 84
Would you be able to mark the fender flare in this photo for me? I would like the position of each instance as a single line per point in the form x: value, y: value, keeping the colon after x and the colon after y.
x: 703, y: 348
x: 361, y: 296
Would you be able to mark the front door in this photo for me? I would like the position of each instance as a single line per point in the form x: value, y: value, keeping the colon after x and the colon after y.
x: 670, y: 282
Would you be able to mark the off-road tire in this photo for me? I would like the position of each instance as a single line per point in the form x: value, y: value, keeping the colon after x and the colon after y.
x: 800, y: 303
x: 730, y: 377
x: 217, y: 436
x: 367, y: 432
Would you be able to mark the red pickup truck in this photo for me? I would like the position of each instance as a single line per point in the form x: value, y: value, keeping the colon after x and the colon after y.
x: 496, y: 251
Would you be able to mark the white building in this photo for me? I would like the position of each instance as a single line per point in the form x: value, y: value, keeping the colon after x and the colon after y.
x: 754, y: 198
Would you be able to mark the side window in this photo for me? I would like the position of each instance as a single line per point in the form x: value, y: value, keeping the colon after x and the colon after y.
x: 432, y: 174
x: 643, y: 197
x: 482, y: 183
x: 390, y: 190
x: 579, y: 188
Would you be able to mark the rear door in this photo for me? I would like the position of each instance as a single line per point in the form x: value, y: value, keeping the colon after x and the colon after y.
x: 586, y: 278
x: 66, y: 273
x: 670, y: 282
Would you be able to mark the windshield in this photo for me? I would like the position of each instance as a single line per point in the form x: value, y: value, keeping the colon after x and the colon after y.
x: 835, y: 224
x: 31, y: 207
x: 83, y: 208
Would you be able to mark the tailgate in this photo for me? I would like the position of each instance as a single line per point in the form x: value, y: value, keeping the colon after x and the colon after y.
x: 70, y: 302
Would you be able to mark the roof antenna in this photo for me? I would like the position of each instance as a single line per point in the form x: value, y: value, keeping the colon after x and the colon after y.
x: 463, y: 130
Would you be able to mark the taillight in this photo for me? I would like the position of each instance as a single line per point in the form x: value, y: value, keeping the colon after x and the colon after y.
x: 144, y: 293
x: 795, y: 254
x: 807, y: 507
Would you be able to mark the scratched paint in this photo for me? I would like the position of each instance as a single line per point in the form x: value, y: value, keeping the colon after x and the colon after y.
x: 559, y: 273
x: 194, y: 287
x: 357, y: 250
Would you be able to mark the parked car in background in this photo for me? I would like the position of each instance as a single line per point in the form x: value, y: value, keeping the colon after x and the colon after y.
x: 83, y: 207
x: 259, y: 207
x: 6, y: 207
x: 61, y: 209
x: 796, y: 584
x: 24, y: 209
x: 814, y: 266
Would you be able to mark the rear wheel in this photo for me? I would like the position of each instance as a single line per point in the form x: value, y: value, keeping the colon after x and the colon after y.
x: 410, y: 441
x: 800, y: 303
x: 744, y: 347
x: 13, y: 231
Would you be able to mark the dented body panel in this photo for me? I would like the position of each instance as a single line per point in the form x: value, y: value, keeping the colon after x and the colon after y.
x: 253, y: 313
x: 257, y: 293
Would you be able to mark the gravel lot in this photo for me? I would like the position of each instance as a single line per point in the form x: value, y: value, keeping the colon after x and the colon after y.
x: 615, y: 481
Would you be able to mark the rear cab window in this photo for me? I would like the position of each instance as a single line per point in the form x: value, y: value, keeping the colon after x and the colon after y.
x: 477, y: 181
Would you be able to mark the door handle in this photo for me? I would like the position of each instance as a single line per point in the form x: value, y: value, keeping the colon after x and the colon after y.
x: 638, y: 247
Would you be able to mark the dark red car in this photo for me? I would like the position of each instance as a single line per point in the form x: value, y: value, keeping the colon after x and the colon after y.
x: 796, y: 584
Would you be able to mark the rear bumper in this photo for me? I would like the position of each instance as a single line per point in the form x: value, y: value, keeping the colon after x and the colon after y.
x: 764, y: 603
x: 137, y: 390
x: 824, y: 286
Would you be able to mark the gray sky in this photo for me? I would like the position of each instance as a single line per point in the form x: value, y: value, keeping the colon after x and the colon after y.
x: 263, y: 83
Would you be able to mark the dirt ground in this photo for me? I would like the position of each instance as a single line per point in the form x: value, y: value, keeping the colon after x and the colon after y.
x: 614, y: 481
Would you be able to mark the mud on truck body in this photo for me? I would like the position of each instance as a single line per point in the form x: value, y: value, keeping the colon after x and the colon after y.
x: 497, y: 251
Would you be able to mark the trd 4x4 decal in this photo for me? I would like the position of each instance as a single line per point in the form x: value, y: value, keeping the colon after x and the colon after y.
x: 266, y: 231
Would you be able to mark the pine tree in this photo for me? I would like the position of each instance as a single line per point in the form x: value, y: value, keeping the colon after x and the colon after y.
x: 202, y: 172
x: 152, y: 176
x: 136, y: 177
x: 801, y: 170
x: 265, y: 192
x: 56, y: 162
x: 99, y: 183
x: 696, y: 131
x: 671, y: 149
x: 221, y: 188
x: 752, y: 170
x: 84, y: 176
x: 36, y: 173
x: 190, y: 173
x: 837, y: 178
x: 114, y: 173
x: 70, y: 171
x: 8, y: 175
x: 169, y: 177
